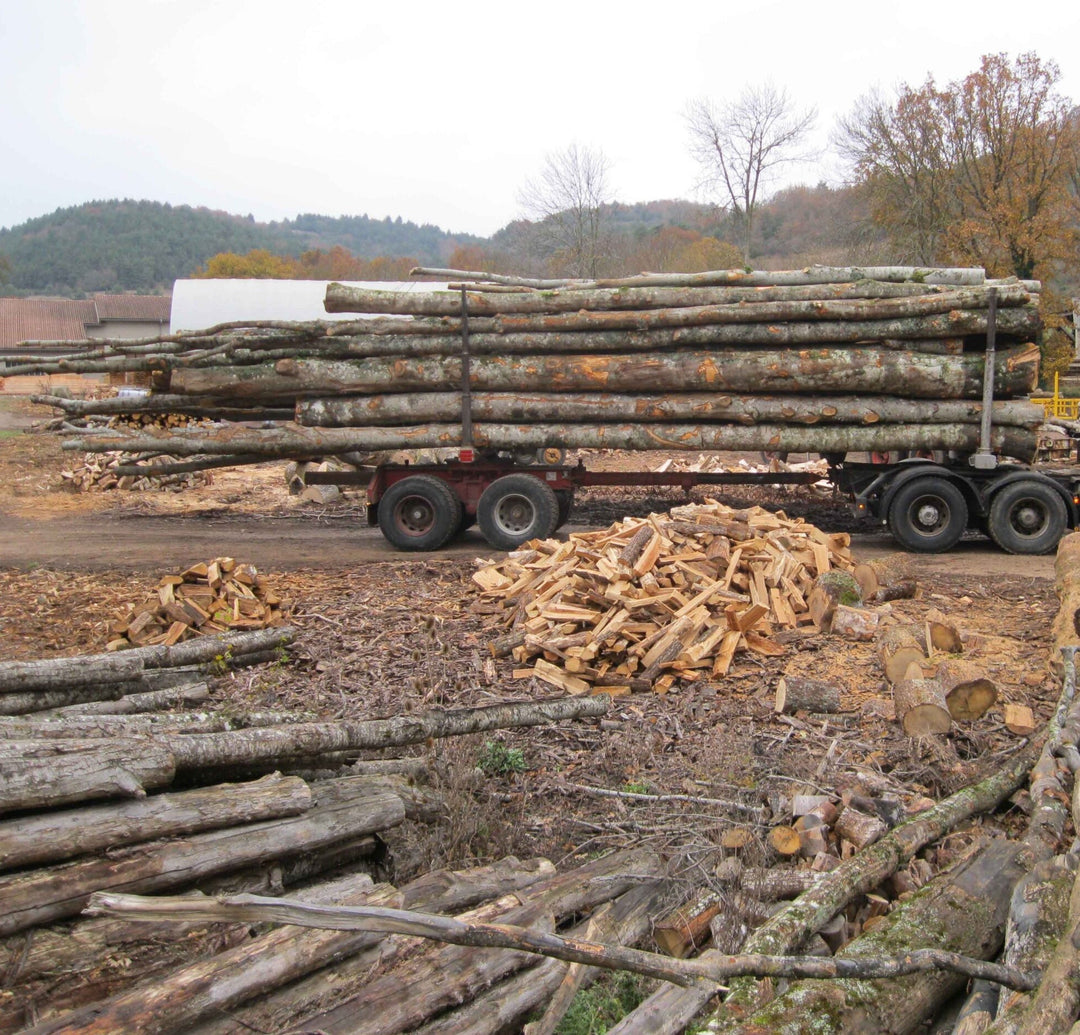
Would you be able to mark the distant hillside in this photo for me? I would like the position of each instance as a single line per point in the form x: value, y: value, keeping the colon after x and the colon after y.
x: 115, y: 246
x: 145, y: 245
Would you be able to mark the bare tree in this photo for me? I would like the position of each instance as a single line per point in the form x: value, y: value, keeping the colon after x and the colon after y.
x: 740, y: 145
x: 566, y: 203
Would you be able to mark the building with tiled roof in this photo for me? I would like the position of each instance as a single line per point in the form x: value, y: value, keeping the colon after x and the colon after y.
x: 66, y: 319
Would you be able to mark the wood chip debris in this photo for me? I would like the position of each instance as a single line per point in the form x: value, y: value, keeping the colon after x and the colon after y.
x: 649, y: 601
x: 214, y: 597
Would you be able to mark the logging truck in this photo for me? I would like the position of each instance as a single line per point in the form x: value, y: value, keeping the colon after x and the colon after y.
x: 933, y: 364
x: 955, y: 482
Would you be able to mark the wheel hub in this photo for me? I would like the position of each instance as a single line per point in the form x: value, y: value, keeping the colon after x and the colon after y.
x: 514, y: 514
x: 928, y: 516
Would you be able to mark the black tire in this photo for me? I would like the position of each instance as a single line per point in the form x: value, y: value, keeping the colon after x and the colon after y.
x: 1027, y: 517
x: 565, y: 499
x: 516, y: 508
x: 420, y: 512
x: 928, y: 515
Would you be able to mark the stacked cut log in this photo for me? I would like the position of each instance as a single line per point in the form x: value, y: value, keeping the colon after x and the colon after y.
x: 648, y: 601
x: 98, y: 472
x: 214, y: 597
x: 93, y: 803
x: 824, y: 360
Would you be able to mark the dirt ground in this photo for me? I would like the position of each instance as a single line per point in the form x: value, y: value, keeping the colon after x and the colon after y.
x: 383, y: 633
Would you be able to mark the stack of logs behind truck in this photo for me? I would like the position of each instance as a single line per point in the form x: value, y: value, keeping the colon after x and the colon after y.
x: 931, y: 364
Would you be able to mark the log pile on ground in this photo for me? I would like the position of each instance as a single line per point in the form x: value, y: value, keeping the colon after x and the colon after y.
x: 822, y: 360
x: 204, y: 801
x: 651, y: 600
x: 218, y: 596
x: 98, y: 472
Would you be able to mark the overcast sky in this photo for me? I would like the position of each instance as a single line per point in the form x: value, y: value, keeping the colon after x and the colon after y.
x: 437, y: 112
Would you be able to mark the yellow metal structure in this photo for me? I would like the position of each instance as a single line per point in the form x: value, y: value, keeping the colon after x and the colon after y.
x: 1057, y: 406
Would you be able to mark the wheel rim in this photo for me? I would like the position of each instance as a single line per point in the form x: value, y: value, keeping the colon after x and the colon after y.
x: 929, y: 515
x: 514, y: 514
x: 414, y: 516
x: 1029, y: 518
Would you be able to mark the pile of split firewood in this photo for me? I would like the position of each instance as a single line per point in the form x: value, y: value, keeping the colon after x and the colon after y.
x: 651, y: 600
x: 104, y: 471
x: 119, y: 795
x: 213, y: 597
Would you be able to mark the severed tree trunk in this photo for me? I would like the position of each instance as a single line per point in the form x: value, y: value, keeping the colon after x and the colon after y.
x: 36, y: 773
x: 52, y: 836
x: 796, y: 693
x: 66, y: 673
x: 921, y: 707
x: 964, y: 908
x: 1065, y: 627
x: 899, y: 647
x: 40, y: 896
x: 969, y: 693
x: 856, y: 370
x: 296, y: 442
x: 597, y: 407
x: 300, y: 740
x: 756, y: 278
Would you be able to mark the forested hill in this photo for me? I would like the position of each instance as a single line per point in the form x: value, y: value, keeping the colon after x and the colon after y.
x: 145, y: 245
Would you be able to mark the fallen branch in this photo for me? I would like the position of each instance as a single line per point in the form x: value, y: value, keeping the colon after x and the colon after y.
x: 259, y: 909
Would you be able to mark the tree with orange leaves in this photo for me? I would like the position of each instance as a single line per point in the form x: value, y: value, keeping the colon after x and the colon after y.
x: 979, y: 172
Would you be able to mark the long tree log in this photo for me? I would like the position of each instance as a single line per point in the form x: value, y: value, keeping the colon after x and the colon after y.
x: 964, y: 909
x: 221, y: 409
x: 40, y: 896
x: 443, y: 892
x: 809, y: 275
x: 407, y: 994
x: 41, y: 700
x: 186, y: 996
x: 866, y: 370
x: 63, y: 673
x: 54, y: 836
x: 661, y: 306
x: 38, y: 773
x: 181, y: 696
x: 604, y: 407
x: 304, y: 740
x: 297, y: 442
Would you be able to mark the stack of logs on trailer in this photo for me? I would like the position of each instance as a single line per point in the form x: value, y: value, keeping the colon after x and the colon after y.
x: 821, y: 360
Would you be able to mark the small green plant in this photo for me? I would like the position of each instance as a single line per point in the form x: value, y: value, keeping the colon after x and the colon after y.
x: 219, y: 665
x: 497, y: 759
x: 638, y: 787
x: 599, y: 1007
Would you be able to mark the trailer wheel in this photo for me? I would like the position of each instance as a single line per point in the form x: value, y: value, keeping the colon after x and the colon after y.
x: 928, y: 515
x: 1027, y: 517
x: 516, y: 508
x: 420, y: 512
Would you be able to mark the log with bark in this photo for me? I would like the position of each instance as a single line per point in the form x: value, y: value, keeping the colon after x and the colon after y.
x: 39, y: 896
x: 856, y: 370
x: 284, y: 441
x: 963, y: 910
x: 57, y: 835
x: 388, y: 410
x: 736, y: 277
